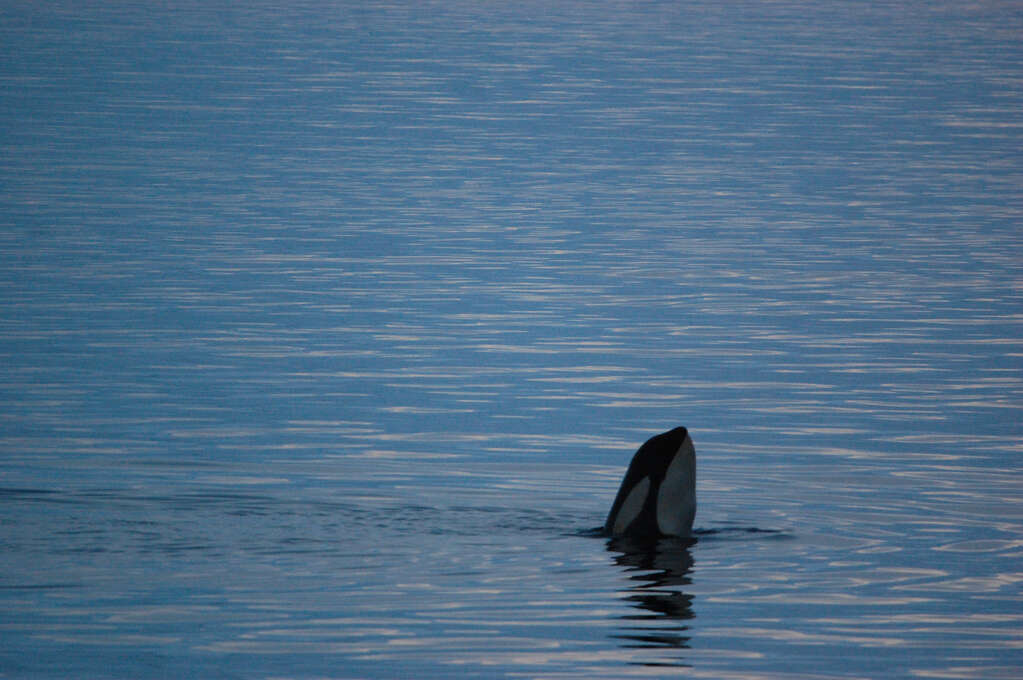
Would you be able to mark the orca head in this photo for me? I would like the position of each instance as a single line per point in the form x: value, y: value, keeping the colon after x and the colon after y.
x: 658, y: 495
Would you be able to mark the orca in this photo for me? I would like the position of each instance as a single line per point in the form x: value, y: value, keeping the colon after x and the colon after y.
x: 658, y: 495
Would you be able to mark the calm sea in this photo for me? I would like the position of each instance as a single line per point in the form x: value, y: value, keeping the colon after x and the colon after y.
x: 327, y: 330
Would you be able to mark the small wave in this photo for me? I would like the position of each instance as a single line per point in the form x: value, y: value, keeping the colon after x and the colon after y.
x: 698, y: 534
x: 737, y: 533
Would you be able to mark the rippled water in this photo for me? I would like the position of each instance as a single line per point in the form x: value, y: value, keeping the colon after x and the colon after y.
x: 328, y: 330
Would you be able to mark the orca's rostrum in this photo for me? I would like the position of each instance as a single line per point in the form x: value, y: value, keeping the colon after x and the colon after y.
x: 658, y: 494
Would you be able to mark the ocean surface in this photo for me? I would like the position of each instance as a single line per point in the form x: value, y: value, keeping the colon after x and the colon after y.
x: 327, y: 331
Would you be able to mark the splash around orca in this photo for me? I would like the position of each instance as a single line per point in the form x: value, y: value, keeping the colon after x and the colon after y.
x: 658, y: 495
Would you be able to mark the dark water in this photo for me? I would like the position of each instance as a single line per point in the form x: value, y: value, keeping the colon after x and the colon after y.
x: 328, y: 329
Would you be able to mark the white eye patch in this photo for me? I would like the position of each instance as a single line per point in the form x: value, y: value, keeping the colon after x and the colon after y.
x: 632, y: 506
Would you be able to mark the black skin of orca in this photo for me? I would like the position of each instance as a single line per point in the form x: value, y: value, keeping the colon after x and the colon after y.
x: 651, y: 460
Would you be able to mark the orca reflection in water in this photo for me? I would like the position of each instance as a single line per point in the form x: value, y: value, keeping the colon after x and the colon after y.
x: 658, y: 494
x: 659, y: 572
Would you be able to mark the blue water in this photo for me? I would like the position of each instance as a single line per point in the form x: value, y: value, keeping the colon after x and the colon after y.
x: 327, y: 331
